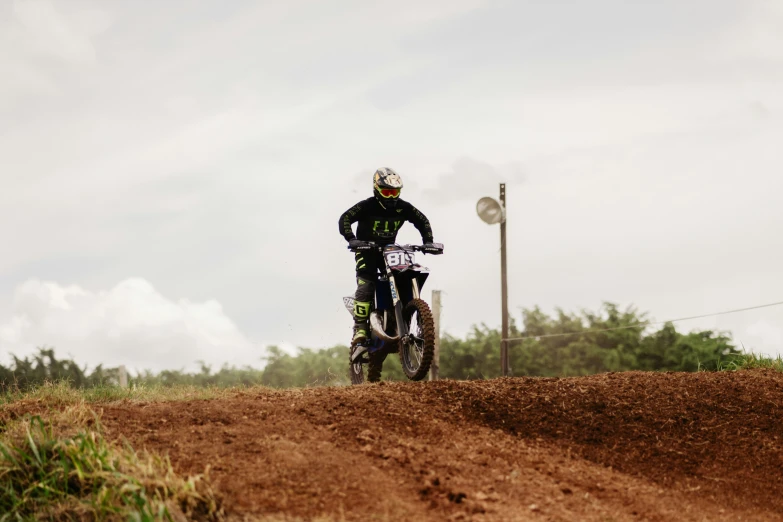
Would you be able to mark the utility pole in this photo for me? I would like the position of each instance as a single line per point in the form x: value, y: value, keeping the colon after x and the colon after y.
x: 435, y: 367
x: 504, y: 284
x: 492, y: 212
x: 122, y: 375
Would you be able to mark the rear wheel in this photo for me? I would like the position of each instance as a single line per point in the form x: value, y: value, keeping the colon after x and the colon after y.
x: 417, y: 350
x: 367, y: 368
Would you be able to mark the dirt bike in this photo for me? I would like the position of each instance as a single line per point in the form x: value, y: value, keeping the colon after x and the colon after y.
x: 400, y: 320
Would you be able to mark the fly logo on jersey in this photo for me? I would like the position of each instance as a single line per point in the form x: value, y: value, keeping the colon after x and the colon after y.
x: 385, y: 229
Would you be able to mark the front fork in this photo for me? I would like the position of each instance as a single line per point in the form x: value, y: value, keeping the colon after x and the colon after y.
x: 402, y: 327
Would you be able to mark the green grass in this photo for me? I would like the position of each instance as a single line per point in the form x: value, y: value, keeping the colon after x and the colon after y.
x: 58, y: 394
x: 749, y: 361
x: 62, y: 394
x: 62, y: 468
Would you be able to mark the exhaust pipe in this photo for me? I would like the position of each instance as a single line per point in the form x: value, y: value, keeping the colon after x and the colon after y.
x: 376, y: 324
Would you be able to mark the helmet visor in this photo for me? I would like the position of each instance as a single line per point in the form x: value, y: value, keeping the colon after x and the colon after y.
x: 389, y: 192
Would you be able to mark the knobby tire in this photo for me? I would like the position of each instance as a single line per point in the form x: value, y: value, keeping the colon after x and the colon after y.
x: 427, y: 324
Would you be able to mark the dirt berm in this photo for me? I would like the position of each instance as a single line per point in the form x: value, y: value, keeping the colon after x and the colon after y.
x: 611, y: 447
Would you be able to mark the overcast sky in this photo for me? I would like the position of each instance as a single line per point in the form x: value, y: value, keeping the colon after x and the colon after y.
x: 172, y: 176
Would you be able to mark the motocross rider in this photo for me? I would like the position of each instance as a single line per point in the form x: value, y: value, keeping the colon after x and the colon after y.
x: 380, y: 218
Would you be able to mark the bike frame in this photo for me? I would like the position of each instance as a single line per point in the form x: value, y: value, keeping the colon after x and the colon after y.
x: 398, y: 291
x: 397, y: 301
x: 399, y: 283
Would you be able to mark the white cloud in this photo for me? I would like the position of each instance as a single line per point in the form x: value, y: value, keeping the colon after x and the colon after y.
x: 46, y: 31
x: 130, y: 324
x: 758, y: 34
x: 215, y: 161
x: 468, y: 178
x: 39, y: 34
x: 418, y: 12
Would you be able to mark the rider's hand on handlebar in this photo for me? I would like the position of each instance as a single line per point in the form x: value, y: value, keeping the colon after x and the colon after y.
x: 358, y: 244
x: 432, y: 248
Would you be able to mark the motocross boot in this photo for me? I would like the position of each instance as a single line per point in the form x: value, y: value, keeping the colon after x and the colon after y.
x: 361, y: 327
x: 360, y: 333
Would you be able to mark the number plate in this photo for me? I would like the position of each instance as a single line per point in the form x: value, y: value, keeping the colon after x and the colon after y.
x: 399, y: 258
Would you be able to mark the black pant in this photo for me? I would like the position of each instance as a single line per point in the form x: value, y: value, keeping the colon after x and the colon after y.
x: 367, y: 264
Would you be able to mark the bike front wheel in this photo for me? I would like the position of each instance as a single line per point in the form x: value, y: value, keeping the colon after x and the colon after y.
x: 416, y: 352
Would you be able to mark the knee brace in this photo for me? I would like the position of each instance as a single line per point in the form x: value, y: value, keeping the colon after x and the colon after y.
x: 365, y: 290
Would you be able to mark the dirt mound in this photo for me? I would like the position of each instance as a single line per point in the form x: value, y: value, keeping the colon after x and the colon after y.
x: 626, y: 446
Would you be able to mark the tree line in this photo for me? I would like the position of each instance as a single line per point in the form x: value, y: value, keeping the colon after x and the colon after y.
x: 565, y: 344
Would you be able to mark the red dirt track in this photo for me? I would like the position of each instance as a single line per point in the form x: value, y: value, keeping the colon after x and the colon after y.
x: 611, y: 447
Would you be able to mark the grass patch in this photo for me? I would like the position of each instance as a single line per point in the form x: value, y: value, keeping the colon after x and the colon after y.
x: 62, y: 468
x: 749, y: 361
x: 62, y: 394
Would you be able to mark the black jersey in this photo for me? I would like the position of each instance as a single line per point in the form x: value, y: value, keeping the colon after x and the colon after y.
x: 379, y: 224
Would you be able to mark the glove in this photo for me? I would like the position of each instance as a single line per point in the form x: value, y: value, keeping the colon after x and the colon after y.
x: 357, y: 244
x: 432, y: 248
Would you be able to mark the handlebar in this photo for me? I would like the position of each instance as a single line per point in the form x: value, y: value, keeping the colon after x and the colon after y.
x: 434, y: 249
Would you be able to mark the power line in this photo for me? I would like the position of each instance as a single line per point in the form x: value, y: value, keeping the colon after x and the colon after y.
x: 645, y: 324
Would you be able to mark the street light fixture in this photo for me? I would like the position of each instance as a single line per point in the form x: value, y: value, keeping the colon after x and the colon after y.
x: 491, y: 212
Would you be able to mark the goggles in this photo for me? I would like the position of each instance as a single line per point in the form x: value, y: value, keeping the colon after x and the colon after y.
x: 389, y: 192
